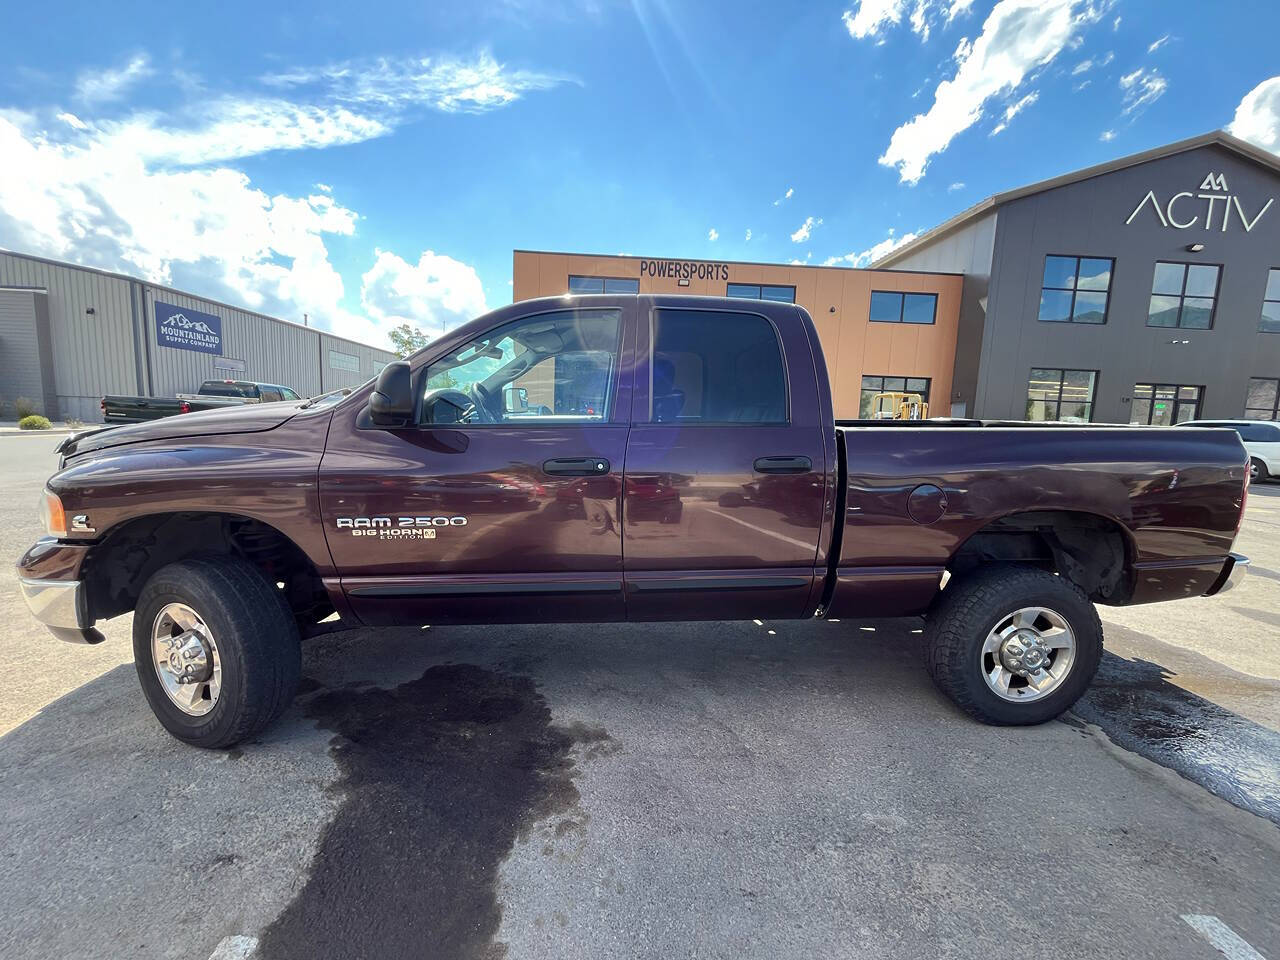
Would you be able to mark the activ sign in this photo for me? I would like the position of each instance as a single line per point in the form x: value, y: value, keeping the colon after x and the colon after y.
x: 1188, y: 208
x: 187, y: 329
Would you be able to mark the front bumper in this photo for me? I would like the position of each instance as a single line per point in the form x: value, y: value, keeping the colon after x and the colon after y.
x: 48, y: 576
x: 1233, y: 571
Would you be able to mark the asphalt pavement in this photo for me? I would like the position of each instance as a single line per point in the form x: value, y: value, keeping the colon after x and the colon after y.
x: 690, y: 790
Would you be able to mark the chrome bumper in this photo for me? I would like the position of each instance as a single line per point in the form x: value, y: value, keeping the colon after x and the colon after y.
x: 1233, y: 571
x: 58, y: 604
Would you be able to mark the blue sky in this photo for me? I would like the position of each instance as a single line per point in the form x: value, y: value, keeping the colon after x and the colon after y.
x: 372, y: 164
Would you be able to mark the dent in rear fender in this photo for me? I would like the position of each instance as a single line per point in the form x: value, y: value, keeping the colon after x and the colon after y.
x: 270, y: 477
x: 1175, y: 496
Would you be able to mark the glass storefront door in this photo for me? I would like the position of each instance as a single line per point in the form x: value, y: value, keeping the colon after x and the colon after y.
x: 1164, y: 404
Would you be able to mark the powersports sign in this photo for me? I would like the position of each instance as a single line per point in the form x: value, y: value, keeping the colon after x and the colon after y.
x: 188, y: 329
x: 684, y: 269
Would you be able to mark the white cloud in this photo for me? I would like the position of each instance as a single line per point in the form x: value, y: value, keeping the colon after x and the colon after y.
x: 1084, y: 66
x: 713, y: 234
x: 436, y: 294
x: 784, y: 197
x: 747, y: 238
x: 1018, y: 37
x: 958, y: 185
x: 873, y: 18
x: 324, y: 187
x: 806, y: 228
x: 1140, y: 89
x: 1257, y: 117
x: 862, y: 258
x: 101, y: 86
x: 442, y: 83
x: 1157, y: 44
x: 1106, y: 136
x: 1014, y: 109
x: 153, y: 194
x: 1115, y: 24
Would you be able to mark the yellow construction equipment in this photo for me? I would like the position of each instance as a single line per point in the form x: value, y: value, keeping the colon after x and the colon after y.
x: 898, y: 406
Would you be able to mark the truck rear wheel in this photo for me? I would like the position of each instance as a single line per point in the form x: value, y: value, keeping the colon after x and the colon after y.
x: 1013, y: 645
x: 216, y: 650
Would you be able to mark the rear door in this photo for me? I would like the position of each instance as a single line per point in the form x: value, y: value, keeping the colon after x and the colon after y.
x: 502, y: 503
x: 724, y: 485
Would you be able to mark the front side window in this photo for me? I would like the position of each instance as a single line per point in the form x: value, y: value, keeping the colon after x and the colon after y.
x: 1262, y: 402
x: 716, y: 367
x: 757, y: 291
x: 549, y: 368
x: 1075, y: 289
x: 1164, y: 404
x: 1061, y: 394
x: 872, y: 385
x: 887, y: 307
x: 1183, y: 295
x: 1271, y: 304
x: 270, y: 395
x: 579, y: 284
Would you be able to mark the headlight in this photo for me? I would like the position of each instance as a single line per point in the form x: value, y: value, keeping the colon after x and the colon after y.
x: 51, y: 512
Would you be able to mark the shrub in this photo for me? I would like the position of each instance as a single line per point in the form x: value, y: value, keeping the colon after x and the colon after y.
x: 34, y: 422
x: 74, y: 424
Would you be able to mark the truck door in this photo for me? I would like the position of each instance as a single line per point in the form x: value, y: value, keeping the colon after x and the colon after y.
x: 724, y: 485
x: 502, y: 502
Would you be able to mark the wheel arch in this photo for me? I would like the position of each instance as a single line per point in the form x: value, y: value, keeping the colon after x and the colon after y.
x: 118, y: 565
x: 1093, y: 551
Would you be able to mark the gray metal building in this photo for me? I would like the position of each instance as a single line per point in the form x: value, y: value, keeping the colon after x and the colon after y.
x: 70, y: 334
x: 1145, y: 290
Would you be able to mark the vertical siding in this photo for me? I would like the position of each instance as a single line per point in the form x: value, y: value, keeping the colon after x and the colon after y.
x: 108, y: 352
x: 21, y: 353
x: 93, y: 353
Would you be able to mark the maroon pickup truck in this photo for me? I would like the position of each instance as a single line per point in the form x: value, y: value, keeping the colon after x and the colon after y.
x: 607, y: 458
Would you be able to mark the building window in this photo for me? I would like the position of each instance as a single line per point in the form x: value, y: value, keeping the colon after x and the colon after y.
x: 1183, y: 295
x: 756, y: 291
x: 1061, y: 394
x: 603, y: 285
x: 873, y: 385
x: 343, y: 361
x: 1075, y: 289
x: 1263, y: 399
x: 1271, y: 304
x: 903, y: 307
x: 1163, y: 404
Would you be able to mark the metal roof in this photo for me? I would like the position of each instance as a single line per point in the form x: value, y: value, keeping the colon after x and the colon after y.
x: 1216, y: 137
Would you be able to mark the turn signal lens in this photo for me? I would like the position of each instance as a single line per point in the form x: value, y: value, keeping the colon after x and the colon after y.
x: 55, y: 518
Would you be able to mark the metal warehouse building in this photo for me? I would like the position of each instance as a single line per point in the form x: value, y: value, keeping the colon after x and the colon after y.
x: 1144, y: 290
x: 70, y: 334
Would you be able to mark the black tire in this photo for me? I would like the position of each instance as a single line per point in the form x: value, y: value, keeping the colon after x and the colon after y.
x: 257, y: 641
x: 1259, y: 469
x: 974, y: 606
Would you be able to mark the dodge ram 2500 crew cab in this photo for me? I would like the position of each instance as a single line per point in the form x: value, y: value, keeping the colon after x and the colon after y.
x: 608, y: 458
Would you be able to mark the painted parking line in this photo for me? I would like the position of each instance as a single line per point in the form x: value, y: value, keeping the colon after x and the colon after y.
x: 1223, y: 939
x: 234, y: 948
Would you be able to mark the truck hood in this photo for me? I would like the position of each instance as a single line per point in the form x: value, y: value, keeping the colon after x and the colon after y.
x: 251, y: 418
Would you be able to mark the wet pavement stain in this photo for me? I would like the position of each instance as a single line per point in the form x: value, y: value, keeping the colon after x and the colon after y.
x: 1136, y: 705
x: 440, y: 777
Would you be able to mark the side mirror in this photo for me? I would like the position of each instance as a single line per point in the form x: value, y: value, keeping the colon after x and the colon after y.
x: 391, y: 403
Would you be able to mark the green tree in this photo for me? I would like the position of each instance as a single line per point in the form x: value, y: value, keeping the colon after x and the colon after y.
x: 406, y: 340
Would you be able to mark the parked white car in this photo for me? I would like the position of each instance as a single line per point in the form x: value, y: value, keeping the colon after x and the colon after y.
x: 1261, y: 440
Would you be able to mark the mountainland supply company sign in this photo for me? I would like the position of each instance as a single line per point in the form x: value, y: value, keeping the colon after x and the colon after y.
x: 1188, y: 209
x: 188, y: 329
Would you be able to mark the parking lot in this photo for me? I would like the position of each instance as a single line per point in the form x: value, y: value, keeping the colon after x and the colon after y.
x: 691, y: 790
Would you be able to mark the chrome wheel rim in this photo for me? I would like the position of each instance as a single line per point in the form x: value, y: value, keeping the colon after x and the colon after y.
x: 1028, y: 654
x: 1253, y: 469
x: 186, y: 659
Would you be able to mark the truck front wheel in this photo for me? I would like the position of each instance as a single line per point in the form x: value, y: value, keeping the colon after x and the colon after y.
x: 1013, y: 645
x: 216, y: 650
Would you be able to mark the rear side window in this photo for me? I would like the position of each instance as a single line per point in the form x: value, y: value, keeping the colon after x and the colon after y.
x: 1259, y: 432
x: 269, y: 394
x: 716, y: 367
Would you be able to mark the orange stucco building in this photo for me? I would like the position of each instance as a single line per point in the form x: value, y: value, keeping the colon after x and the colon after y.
x: 912, y: 336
